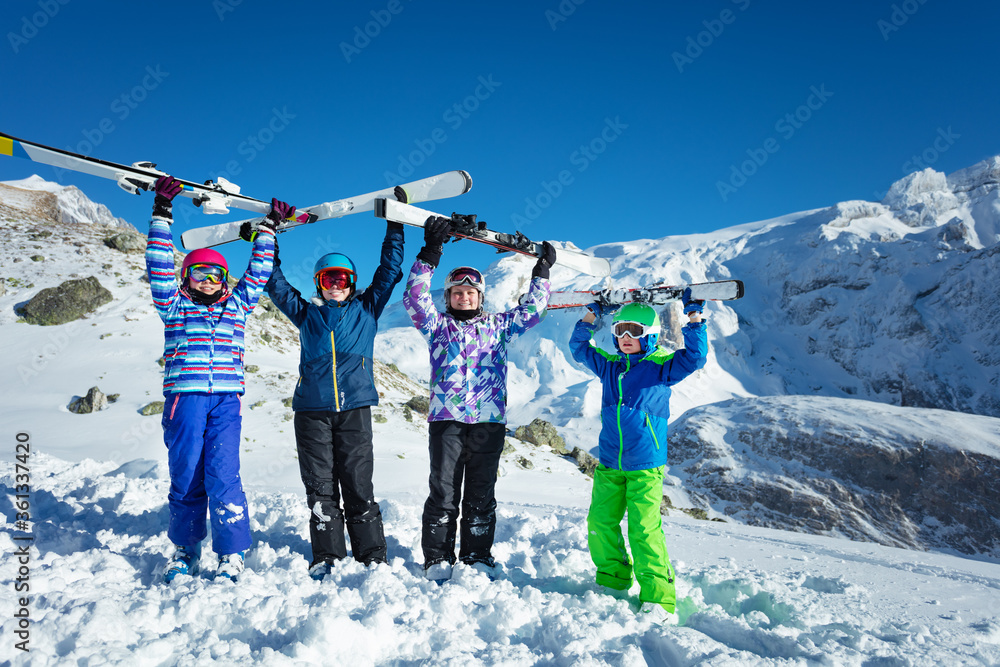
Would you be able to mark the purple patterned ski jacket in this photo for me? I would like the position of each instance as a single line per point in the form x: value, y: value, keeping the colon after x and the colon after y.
x: 469, y: 359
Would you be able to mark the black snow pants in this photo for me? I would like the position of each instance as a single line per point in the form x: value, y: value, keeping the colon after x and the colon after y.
x: 336, y: 461
x: 471, y: 451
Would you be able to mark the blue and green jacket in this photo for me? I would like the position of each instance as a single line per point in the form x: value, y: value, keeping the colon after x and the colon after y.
x: 338, y: 338
x: 635, y: 405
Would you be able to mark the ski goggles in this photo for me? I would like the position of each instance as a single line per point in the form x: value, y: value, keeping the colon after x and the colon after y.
x: 632, y: 330
x: 464, y: 275
x: 334, y: 279
x: 213, y: 273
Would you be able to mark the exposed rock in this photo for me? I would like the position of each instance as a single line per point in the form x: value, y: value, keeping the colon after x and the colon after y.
x: 153, y: 408
x: 541, y: 432
x: 524, y: 463
x: 70, y: 301
x: 94, y: 401
x: 127, y: 242
x: 584, y: 461
x: 251, y: 368
x: 37, y: 258
x: 287, y: 402
x: 420, y: 404
x: 896, y: 476
x: 379, y: 418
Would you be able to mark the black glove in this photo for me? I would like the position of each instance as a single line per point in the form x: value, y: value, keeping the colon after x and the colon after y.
x: 545, y: 262
x: 400, y: 194
x: 280, y: 211
x: 166, y: 188
x: 436, y: 231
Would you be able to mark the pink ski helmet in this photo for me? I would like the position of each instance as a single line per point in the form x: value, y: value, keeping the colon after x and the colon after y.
x: 203, y: 256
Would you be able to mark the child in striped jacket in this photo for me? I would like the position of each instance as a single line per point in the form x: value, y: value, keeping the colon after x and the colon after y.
x: 204, y: 321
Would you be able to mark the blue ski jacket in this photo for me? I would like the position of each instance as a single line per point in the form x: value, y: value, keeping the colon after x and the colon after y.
x: 337, y: 339
x: 635, y: 404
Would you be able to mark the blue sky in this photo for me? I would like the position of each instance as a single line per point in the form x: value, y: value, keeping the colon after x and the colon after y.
x: 588, y: 121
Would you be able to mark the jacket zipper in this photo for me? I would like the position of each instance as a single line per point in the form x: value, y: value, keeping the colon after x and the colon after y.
x: 621, y: 400
x: 336, y: 392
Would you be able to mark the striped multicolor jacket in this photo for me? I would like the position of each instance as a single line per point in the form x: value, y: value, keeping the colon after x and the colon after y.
x: 203, y: 346
x: 469, y: 359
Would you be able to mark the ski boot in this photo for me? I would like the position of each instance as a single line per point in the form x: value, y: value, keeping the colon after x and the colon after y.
x: 230, y: 565
x: 184, y: 561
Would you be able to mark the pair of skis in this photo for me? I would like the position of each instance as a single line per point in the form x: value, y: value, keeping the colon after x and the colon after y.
x: 657, y: 295
x: 218, y: 196
x: 212, y: 196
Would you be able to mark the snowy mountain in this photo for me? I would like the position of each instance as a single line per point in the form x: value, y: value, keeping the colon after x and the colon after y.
x: 34, y: 198
x: 819, y: 388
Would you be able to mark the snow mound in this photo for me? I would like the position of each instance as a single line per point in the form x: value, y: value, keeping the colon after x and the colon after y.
x: 745, y: 596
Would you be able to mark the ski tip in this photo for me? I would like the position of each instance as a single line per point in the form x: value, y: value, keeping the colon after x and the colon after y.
x: 739, y: 289
x: 468, y: 180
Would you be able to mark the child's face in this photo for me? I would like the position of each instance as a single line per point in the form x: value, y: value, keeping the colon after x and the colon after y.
x: 629, y: 345
x: 205, y: 286
x: 464, y: 297
x: 336, y: 294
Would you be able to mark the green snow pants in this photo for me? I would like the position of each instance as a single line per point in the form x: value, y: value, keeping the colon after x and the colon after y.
x: 640, y: 492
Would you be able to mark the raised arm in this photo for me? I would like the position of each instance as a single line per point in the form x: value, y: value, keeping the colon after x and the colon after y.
x: 160, y: 247
x: 389, y: 271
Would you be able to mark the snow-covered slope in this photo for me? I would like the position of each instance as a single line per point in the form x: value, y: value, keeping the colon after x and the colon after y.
x: 748, y: 595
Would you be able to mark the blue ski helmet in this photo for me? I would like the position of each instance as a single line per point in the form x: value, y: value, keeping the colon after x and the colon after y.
x: 638, y: 321
x: 334, y: 260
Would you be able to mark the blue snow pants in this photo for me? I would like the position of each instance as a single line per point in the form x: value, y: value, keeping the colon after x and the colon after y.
x: 202, y: 434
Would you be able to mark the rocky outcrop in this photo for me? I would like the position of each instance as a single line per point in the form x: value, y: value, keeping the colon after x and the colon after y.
x: 94, y: 401
x: 69, y: 301
x: 896, y: 476
x: 128, y: 242
x: 541, y: 432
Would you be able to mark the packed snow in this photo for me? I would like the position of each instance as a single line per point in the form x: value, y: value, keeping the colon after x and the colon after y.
x: 90, y: 583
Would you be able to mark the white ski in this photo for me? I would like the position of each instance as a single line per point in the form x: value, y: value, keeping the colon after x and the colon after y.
x: 442, y: 186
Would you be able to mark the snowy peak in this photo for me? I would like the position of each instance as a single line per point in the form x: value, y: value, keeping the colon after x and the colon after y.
x: 928, y: 198
x: 41, y: 200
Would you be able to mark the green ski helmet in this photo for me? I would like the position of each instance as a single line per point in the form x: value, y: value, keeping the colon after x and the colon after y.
x: 640, y: 322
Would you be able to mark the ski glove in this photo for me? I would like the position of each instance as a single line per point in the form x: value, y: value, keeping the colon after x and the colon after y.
x: 691, y: 305
x: 437, y: 229
x: 600, y: 309
x: 545, y: 262
x: 166, y: 188
x: 280, y: 211
x: 400, y: 194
